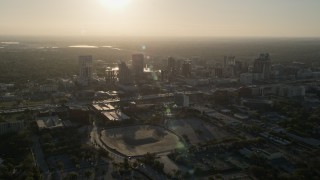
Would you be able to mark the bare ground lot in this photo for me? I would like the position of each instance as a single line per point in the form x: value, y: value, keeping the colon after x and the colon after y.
x: 197, y: 130
x: 139, y: 140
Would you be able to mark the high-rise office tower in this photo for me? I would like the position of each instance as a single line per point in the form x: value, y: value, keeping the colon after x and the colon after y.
x: 138, y: 65
x: 124, y: 74
x: 229, y: 61
x: 171, y: 64
x: 198, y: 61
x: 186, y: 69
x: 85, y: 69
x: 262, y: 65
x: 218, y: 72
x: 179, y: 64
x: 111, y: 75
x: 238, y: 68
x: 245, y: 67
x: 164, y: 75
x: 171, y: 69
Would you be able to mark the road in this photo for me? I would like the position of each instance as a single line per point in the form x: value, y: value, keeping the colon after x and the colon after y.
x: 95, y: 140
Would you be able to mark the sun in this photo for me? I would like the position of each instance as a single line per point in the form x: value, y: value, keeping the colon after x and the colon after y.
x: 115, y: 4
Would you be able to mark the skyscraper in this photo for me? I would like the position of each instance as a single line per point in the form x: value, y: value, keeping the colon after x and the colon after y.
x: 186, y: 69
x: 262, y: 65
x: 229, y: 61
x: 238, y: 68
x: 138, y: 65
x: 218, y: 72
x: 125, y: 74
x: 171, y: 64
x: 85, y: 69
x: 111, y: 75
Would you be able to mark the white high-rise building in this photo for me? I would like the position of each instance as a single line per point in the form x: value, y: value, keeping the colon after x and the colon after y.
x: 85, y: 70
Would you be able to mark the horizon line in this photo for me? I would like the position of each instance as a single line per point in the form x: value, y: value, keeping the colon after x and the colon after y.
x: 169, y: 36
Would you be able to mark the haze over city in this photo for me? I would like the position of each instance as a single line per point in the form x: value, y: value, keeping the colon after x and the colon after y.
x: 160, y: 89
x: 217, y: 18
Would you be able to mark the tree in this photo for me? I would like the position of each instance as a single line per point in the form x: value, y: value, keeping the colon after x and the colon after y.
x: 115, y: 165
x: 87, y: 174
x: 135, y: 164
x: 158, y: 166
x: 126, y: 164
x: 59, y: 165
x: 199, y: 132
x: 74, y: 159
x: 1, y: 118
x: 178, y: 174
x: 63, y: 101
x: 261, y: 172
x: 29, y: 178
x: 47, y: 137
x: 72, y: 176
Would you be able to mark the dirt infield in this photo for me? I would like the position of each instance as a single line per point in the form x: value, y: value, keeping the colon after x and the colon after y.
x: 140, y: 139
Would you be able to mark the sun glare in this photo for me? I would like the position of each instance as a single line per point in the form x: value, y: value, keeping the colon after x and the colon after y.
x: 115, y: 4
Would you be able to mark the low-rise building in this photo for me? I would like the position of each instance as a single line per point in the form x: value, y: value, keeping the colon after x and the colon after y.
x: 5, y: 87
x: 257, y: 103
x: 241, y: 116
x: 8, y: 97
x: 116, y: 115
x: 270, y: 154
x: 181, y: 100
x: 11, y: 126
x: 49, y: 122
x: 258, y: 76
x: 311, y: 142
x: 196, y: 82
x: 103, y: 107
x: 67, y: 83
x: 246, y: 78
x: 278, y: 90
x: 48, y: 88
x: 292, y: 91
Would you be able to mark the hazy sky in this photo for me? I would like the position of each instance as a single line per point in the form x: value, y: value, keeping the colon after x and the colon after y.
x: 160, y: 17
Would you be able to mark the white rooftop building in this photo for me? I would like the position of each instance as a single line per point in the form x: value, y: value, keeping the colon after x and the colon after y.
x: 49, y: 122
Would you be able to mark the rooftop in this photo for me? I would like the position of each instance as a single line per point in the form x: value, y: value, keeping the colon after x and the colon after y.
x: 115, y: 115
x: 49, y: 122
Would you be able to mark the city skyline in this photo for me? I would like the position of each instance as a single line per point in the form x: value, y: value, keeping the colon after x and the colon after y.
x: 248, y: 18
x: 159, y: 89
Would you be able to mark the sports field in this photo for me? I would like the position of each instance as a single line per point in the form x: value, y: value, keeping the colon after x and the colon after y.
x: 139, y: 140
